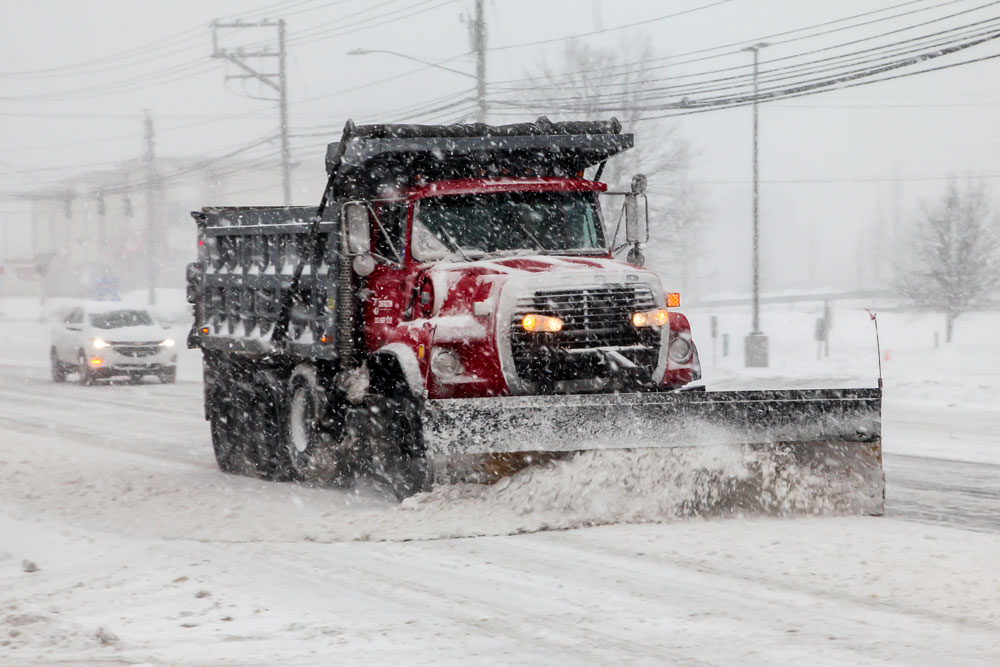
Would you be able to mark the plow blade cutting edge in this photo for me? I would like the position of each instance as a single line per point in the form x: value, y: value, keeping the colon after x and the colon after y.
x: 772, y: 450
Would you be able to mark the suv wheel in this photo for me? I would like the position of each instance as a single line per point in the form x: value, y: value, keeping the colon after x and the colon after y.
x: 85, y: 375
x: 58, y: 372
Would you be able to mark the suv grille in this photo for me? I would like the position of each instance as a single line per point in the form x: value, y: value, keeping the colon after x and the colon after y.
x: 137, y: 349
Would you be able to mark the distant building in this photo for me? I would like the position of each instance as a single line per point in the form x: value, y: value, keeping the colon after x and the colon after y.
x: 92, y: 230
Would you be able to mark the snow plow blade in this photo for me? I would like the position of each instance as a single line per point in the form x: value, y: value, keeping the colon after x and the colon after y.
x: 746, y: 443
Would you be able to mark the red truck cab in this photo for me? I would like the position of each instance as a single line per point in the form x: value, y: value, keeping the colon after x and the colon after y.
x: 461, y: 264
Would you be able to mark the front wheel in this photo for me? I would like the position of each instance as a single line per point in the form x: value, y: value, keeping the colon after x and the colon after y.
x: 399, y: 457
x: 84, y: 374
x: 169, y: 376
x: 58, y: 372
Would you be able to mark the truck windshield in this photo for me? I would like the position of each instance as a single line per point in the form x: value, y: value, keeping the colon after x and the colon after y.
x: 473, y: 226
x: 118, y: 319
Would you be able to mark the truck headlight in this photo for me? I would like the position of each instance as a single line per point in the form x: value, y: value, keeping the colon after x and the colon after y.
x: 445, y: 363
x: 651, y: 318
x: 679, y: 350
x: 99, y: 343
x: 532, y: 322
x: 167, y: 343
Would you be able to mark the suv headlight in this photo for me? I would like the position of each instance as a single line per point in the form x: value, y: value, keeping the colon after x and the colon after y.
x: 99, y: 343
x: 167, y: 343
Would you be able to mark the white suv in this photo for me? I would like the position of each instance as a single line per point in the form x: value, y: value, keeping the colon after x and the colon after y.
x: 105, y: 338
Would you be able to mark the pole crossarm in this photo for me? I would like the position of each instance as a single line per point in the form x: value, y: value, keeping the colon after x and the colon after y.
x: 250, y: 73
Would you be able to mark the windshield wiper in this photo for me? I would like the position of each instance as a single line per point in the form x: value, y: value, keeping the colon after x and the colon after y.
x: 538, y: 244
x: 443, y: 232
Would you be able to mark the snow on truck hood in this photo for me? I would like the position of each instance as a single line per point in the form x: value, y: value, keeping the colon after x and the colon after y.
x: 455, y: 283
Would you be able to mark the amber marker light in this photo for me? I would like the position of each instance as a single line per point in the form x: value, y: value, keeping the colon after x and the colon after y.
x: 529, y: 322
x: 204, y: 330
x: 673, y: 300
x: 97, y: 362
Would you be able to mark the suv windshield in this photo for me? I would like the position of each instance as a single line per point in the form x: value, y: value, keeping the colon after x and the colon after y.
x: 116, y: 319
x: 472, y: 226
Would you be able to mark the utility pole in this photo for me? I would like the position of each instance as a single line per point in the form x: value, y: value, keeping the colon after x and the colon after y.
x: 479, y: 46
x: 755, y: 349
x: 276, y: 81
x: 150, y: 209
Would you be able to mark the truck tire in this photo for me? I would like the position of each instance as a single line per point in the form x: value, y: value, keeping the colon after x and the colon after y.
x: 318, y: 450
x: 58, y: 371
x: 398, y: 455
x: 227, y: 410
x: 267, y: 436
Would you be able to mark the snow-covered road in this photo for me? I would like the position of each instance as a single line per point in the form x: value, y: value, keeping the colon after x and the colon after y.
x: 112, y: 492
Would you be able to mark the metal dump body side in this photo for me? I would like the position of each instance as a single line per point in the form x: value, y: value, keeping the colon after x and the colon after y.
x: 247, y: 257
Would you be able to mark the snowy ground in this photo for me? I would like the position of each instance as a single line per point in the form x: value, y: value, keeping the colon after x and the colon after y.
x: 121, y: 543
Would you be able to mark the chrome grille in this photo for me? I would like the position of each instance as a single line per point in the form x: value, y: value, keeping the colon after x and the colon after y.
x: 599, y: 316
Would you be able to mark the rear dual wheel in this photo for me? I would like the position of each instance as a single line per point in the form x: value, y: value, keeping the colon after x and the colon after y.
x: 246, y: 419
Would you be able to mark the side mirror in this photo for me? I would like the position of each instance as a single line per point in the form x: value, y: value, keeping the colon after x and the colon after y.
x: 633, y: 221
x: 357, y: 234
x: 358, y: 231
x: 636, y: 219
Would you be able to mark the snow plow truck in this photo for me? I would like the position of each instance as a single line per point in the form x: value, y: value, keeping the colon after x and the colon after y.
x: 454, y: 309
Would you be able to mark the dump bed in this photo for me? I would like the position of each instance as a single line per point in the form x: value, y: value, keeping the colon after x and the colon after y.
x: 247, y: 258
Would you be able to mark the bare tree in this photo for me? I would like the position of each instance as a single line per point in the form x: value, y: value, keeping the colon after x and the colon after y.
x: 953, y: 259
x: 584, y: 83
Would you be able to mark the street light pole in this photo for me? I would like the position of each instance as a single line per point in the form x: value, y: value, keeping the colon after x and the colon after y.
x: 756, y: 342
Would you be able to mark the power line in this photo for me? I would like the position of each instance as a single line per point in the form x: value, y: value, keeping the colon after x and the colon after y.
x: 832, y: 181
x: 170, y: 42
x: 839, y: 84
x: 941, y: 39
x: 655, y: 19
x: 738, y: 45
x: 788, y: 84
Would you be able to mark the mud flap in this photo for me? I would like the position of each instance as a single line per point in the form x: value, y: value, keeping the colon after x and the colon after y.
x: 828, y: 440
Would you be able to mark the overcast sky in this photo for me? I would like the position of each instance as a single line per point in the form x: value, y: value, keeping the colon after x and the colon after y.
x: 76, y: 77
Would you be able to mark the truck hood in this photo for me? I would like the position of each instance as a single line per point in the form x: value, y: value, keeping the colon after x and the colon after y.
x: 458, y: 285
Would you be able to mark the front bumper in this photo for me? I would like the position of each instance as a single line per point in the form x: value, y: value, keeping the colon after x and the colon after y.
x: 109, y: 361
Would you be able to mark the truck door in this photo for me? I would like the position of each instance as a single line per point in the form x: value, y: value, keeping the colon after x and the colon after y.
x: 383, y: 311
